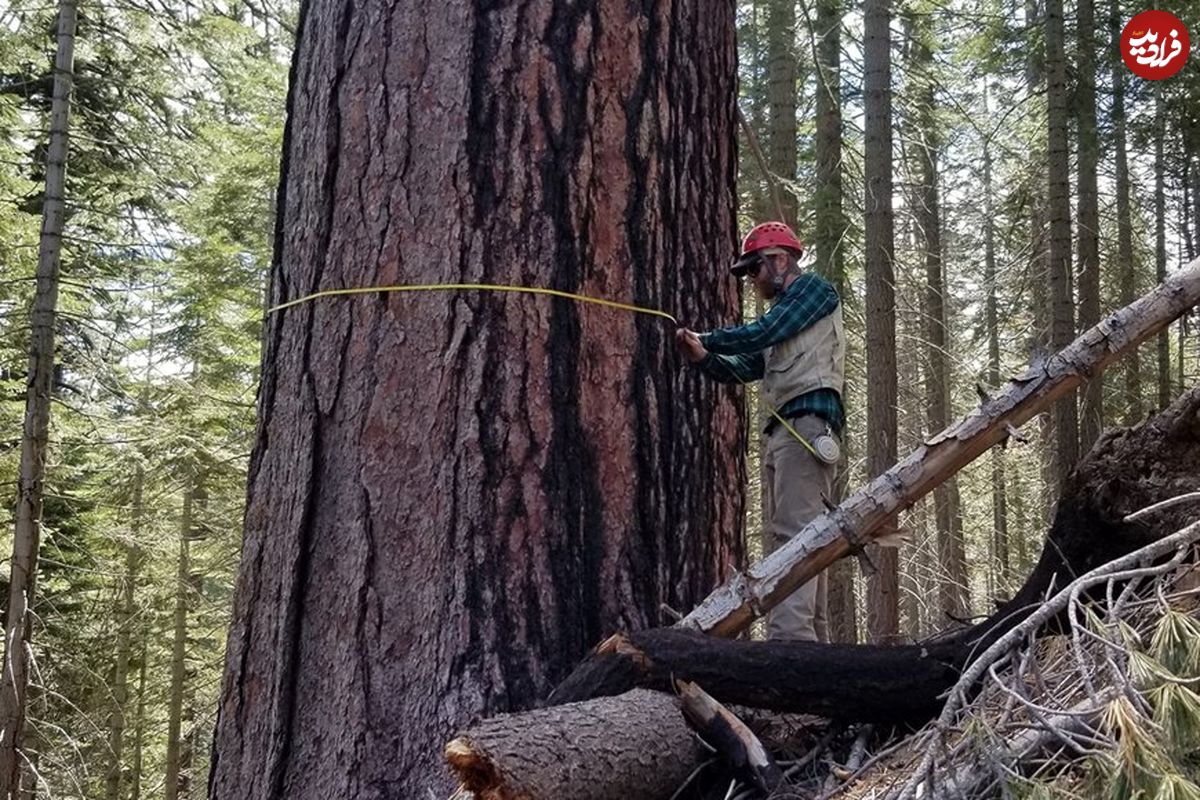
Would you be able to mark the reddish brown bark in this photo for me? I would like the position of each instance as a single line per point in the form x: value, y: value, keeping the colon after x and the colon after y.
x: 453, y: 496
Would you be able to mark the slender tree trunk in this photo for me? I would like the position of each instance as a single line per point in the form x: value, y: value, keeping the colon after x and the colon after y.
x: 782, y: 78
x: 783, y: 73
x: 1092, y: 406
x: 1185, y: 212
x: 139, y: 730
x: 1185, y: 219
x: 1196, y: 204
x: 1021, y: 516
x: 1058, y: 200
x: 1165, y: 393
x: 453, y: 496
x: 1134, y: 410
x: 179, y: 645
x: 1000, y: 540
x: 951, y: 554
x: 883, y: 609
x: 1039, y: 255
x: 14, y: 684
x: 124, y: 619
x: 830, y: 225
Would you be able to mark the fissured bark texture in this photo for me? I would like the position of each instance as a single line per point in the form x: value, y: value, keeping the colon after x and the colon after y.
x: 454, y: 494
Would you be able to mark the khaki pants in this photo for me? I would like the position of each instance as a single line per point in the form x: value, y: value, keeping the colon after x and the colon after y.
x: 796, y: 481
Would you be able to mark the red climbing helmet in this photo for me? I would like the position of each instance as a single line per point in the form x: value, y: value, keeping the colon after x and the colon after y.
x: 760, y: 237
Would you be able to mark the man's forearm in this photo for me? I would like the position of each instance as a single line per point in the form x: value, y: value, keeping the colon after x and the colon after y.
x: 732, y: 369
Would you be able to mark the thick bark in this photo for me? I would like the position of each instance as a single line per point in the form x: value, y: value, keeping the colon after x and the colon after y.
x: 733, y: 606
x: 14, y: 684
x: 883, y: 589
x: 636, y: 745
x: 1126, y: 471
x: 1126, y: 271
x: 175, y: 754
x: 1058, y: 205
x: 452, y: 497
x: 953, y: 596
x: 1091, y: 412
x: 829, y: 232
x: 114, y: 781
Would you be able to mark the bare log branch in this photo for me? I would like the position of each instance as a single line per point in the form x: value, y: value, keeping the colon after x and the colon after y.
x: 734, y: 741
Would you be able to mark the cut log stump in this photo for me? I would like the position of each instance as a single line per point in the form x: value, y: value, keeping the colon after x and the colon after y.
x: 637, y: 745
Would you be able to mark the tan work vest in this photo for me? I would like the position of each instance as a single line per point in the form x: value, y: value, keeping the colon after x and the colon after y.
x: 815, y: 358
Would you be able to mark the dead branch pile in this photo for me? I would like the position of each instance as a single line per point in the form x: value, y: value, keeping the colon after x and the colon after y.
x: 1105, y: 709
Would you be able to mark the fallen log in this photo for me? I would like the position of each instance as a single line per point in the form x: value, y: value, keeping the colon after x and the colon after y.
x: 637, y: 745
x: 889, y: 684
x: 733, y: 606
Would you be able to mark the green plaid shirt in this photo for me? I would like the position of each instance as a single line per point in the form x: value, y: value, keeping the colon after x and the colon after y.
x: 735, y: 353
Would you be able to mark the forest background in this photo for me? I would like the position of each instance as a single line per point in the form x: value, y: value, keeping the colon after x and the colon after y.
x: 175, y: 142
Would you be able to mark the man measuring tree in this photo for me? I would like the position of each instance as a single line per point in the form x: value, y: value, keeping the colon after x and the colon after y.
x: 797, y: 349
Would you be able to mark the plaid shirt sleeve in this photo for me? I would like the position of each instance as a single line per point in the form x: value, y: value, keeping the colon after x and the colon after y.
x: 809, y: 298
x: 733, y: 369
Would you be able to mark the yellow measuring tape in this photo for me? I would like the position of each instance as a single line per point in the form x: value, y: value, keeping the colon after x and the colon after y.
x: 486, y: 287
x: 499, y: 287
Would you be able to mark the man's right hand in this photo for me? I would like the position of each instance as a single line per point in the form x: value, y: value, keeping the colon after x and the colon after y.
x: 689, y: 344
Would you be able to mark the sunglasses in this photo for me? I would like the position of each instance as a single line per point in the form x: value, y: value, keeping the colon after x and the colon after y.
x: 749, y: 268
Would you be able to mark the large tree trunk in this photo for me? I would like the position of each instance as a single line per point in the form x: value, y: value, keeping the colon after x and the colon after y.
x: 27, y: 532
x: 883, y: 587
x: 1091, y: 414
x: 1058, y: 204
x: 829, y: 234
x: 452, y: 497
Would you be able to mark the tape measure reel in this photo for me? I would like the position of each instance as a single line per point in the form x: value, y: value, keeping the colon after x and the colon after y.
x: 826, y: 448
